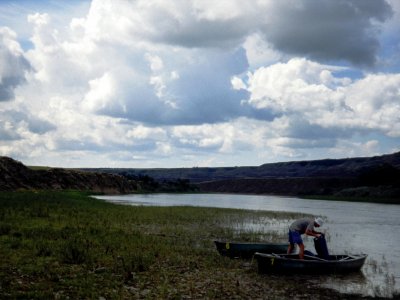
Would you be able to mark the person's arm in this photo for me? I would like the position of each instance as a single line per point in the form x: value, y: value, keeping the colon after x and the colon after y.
x: 310, y: 231
x: 313, y: 233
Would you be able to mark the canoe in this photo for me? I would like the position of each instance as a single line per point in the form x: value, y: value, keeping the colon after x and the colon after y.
x: 290, y: 263
x: 247, y: 250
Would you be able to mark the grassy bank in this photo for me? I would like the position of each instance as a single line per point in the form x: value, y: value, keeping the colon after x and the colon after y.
x: 68, y: 245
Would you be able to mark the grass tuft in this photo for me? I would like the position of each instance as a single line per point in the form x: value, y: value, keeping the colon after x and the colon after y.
x: 75, y: 251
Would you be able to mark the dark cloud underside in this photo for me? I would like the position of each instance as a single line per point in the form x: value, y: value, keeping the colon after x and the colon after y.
x: 328, y: 30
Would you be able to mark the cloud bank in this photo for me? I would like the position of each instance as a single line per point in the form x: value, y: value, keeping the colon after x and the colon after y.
x: 193, y: 83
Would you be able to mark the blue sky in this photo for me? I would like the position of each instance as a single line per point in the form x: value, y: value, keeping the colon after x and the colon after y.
x: 187, y: 83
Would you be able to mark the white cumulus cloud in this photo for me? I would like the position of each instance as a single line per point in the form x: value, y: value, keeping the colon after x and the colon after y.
x: 187, y: 82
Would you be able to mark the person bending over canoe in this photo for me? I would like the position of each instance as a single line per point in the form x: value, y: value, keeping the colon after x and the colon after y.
x: 299, y: 227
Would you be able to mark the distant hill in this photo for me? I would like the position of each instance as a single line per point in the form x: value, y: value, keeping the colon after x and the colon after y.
x: 343, y: 168
x: 377, y: 176
x: 372, y: 177
x: 16, y: 176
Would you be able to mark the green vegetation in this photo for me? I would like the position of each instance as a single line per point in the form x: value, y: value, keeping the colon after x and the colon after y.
x: 69, y: 245
x: 38, y: 168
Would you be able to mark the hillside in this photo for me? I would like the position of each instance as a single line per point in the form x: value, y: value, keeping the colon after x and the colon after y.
x: 347, y: 167
x: 331, y: 168
x: 377, y: 176
x: 15, y: 176
x: 372, y: 177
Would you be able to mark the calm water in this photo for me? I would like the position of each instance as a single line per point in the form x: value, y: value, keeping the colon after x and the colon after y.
x: 350, y: 228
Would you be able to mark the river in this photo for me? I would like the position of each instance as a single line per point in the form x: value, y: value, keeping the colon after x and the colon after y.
x: 350, y: 228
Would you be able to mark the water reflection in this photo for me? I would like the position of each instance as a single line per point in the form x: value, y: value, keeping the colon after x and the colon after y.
x: 350, y: 228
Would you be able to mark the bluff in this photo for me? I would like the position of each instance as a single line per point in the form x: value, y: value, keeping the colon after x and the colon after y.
x: 373, y: 177
x: 384, y: 165
x: 16, y: 176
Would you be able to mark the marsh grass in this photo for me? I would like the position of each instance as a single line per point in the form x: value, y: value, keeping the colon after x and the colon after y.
x: 69, y: 245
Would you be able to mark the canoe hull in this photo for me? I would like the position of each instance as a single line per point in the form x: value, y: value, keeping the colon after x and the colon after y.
x: 270, y: 263
x: 247, y: 250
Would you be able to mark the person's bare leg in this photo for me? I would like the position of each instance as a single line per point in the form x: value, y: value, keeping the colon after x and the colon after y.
x: 301, y: 252
x: 290, y: 248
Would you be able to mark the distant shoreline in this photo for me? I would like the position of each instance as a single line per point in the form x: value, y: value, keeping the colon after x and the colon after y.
x: 370, y: 179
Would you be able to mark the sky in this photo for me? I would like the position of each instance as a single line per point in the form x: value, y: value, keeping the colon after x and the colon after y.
x: 198, y: 83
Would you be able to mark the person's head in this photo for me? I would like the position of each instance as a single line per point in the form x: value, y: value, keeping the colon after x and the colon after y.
x: 318, y: 222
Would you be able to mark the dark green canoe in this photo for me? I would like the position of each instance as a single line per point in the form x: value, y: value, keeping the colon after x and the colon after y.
x: 291, y: 264
x: 247, y: 250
